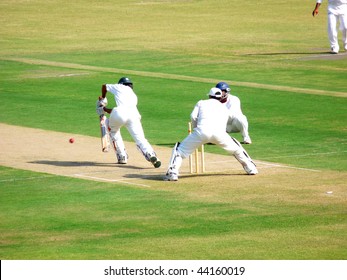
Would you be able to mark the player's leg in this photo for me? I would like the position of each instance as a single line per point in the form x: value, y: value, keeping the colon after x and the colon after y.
x: 332, y: 33
x: 241, y: 123
x: 246, y: 162
x: 135, y: 129
x: 181, y: 151
x: 343, y: 27
x: 234, y: 147
x: 105, y: 133
x: 174, y: 165
x: 115, y: 123
x: 232, y: 127
x: 118, y: 146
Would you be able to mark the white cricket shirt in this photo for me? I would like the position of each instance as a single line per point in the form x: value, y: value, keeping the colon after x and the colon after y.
x: 124, y: 95
x: 211, y: 115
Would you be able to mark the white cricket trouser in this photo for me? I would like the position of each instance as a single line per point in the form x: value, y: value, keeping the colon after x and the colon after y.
x: 239, y: 123
x: 222, y: 139
x: 335, y: 16
x: 199, y: 137
x: 131, y: 119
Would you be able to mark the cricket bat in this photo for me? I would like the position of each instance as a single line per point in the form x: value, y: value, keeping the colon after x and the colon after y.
x: 105, y: 137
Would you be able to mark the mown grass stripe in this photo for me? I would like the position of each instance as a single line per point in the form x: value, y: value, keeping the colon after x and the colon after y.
x: 174, y: 76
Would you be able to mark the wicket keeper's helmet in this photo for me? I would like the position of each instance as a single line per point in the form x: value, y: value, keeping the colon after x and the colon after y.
x: 125, y: 81
x: 223, y: 86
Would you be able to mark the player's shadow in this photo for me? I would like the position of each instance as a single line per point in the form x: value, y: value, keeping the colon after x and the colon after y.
x: 202, y: 175
x: 160, y: 177
x: 286, y: 53
x: 151, y: 177
x: 68, y: 163
x: 318, y: 55
x: 83, y: 163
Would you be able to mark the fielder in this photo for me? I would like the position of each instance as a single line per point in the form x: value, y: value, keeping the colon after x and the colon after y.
x: 209, y: 119
x: 125, y: 114
x: 337, y: 11
x: 238, y: 122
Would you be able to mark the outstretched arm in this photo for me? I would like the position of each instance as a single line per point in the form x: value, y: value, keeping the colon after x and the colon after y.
x: 316, y: 9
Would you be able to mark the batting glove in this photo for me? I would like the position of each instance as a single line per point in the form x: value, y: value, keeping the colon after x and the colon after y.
x: 103, y: 101
x: 100, y: 110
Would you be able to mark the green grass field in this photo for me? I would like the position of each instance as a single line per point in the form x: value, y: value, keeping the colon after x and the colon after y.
x: 54, y: 57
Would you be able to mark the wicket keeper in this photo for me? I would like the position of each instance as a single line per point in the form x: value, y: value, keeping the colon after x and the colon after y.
x: 209, y: 119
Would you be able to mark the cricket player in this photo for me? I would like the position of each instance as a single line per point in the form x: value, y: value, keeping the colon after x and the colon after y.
x: 125, y: 114
x: 209, y: 119
x: 238, y: 122
x: 337, y: 12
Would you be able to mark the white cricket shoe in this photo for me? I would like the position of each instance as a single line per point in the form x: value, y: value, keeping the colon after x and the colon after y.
x: 334, y: 50
x: 250, y: 171
x: 122, y: 159
x: 246, y: 140
x: 155, y: 161
x: 170, y: 176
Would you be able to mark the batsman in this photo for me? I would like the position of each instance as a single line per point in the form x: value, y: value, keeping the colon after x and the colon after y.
x: 125, y: 114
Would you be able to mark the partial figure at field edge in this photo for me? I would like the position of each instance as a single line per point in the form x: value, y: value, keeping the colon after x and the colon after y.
x: 337, y: 12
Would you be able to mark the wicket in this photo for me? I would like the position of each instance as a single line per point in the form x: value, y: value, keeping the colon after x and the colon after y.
x: 196, y: 157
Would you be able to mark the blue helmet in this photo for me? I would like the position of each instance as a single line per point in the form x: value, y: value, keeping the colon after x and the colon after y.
x: 223, y: 86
